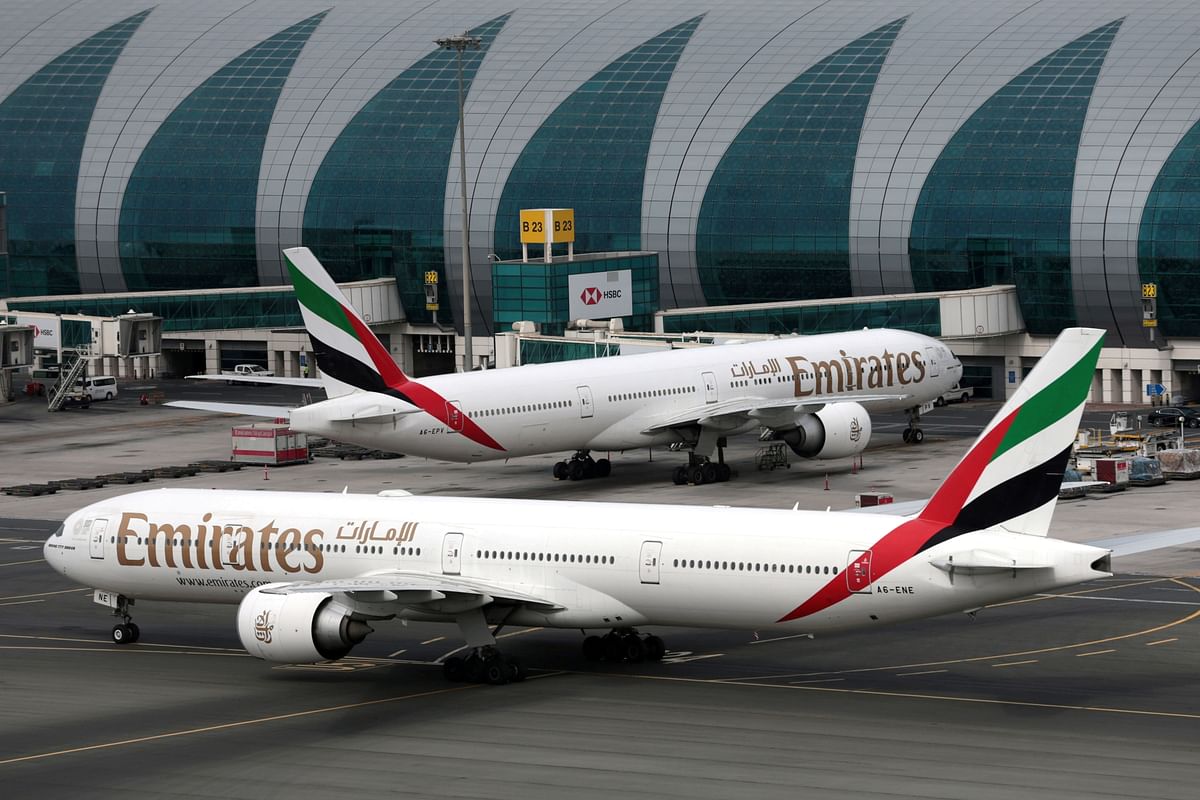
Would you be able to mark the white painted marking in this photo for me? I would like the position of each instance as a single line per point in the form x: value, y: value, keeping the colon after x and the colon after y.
x: 819, y: 680
x: 922, y: 672
x: 1122, y: 600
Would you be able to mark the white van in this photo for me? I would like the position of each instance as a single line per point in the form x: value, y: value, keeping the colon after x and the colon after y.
x: 101, y: 387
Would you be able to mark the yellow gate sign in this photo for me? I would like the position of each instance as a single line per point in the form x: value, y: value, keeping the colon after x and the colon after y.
x: 547, y: 225
x: 1149, y: 291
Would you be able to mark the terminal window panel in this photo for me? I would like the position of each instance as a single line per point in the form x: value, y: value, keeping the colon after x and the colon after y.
x: 376, y: 205
x: 996, y: 206
x: 775, y: 221
x: 1169, y: 238
x: 43, y: 124
x: 188, y: 216
x: 590, y: 153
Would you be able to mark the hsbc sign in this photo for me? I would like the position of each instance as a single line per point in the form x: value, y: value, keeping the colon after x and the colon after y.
x: 601, y: 295
x: 46, y: 330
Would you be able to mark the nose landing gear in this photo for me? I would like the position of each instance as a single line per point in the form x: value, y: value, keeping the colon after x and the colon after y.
x: 913, y: 434
x: 126, y: 631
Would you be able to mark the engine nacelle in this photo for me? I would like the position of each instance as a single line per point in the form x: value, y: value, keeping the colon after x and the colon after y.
x: 836, y: 431
x: 301, y: 628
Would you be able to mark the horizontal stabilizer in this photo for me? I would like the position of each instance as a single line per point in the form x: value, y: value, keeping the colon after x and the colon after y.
x: 272, y: 380
x: 242, y: 409
x: 1152, y: 540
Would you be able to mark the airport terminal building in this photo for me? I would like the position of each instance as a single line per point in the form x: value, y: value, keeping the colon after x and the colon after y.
x: 846, y: 162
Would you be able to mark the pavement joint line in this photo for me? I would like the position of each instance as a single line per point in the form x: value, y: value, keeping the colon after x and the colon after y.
x: 1162, y: 641
x: 1096, y: 653
x: 973, y: 659
x: 19, y: 563
x: 1016, y: 663
x: 46, y: 594
x: 904, y: 695
x: 233, y: 725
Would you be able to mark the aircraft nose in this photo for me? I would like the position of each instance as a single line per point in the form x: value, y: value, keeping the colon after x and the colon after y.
x: 52, y: 550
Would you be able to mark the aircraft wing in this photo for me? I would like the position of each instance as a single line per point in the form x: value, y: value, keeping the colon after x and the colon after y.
x: 412, y: 589
x: 752, y: 407
x: 242, y: 409
x: 308, y: 383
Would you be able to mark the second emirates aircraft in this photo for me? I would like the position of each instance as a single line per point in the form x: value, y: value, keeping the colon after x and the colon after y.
x: 812, y: 392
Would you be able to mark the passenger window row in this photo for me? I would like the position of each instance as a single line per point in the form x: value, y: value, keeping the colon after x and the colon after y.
x: 752, y: 566
x: 522, y: 409
x: 674, y: 390
x: 568, y: 558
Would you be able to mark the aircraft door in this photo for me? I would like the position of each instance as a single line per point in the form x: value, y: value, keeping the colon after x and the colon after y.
x: 452, y: 554
x: 651, y: 556
x: 710, y: 387
x: 585, y: 401
x: 96, y: 538
x: 454, y: 415
x: 858, y: 572
x: 931, y: 362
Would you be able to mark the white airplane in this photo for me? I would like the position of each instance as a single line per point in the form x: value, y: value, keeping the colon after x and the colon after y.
x: 812, y: 392
x: 311, y: 571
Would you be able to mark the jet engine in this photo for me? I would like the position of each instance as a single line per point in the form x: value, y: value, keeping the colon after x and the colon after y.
x: 301, y: 628
x: 836, y: 431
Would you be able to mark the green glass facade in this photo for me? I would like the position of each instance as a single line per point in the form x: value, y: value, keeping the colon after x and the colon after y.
x: 43, y: 124
x: 996, y: 207
x: 537, y: 291
x: 1169, y: 238
x: 186, y: 312
x: 775, y: 223
x: 590, y: 154
x: 541, y: 351
x: 187, y: 220
x: 377, y: 204
x: 921, y: 315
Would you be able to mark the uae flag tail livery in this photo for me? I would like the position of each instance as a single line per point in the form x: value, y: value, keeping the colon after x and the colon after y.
x: 1008, y: 481
x: 351, y: 358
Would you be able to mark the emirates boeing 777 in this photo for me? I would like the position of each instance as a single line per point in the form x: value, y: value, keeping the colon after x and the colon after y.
x: 812, y: 392
x: 312, y: 572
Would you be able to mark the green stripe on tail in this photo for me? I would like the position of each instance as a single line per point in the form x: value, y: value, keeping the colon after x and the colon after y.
x: 318, y: 301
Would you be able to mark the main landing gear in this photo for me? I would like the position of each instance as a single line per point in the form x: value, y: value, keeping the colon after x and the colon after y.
x: 483, y: 665
x: 913, y: 434
x: 624, y: 645
x: 126, y: 631
x: 701, y: 469
x: 581, y: 466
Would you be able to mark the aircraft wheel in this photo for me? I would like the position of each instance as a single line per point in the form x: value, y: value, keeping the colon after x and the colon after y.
x: 918, y: 436
x: 593, y: 648
x: 695, y: 475
x: 475, y: 670
x: 122, y: 635
x: 634, y: 650
x: 577, y: 470
x: 907, y: 435
x: 516, y: 672
x: 454, y: 669
x: 495, y: 671
x: 560, y: 471
x: 656, y: 648
x: 603, y: 468
x: 614, y: 648
x: 724, y: 472
x: 709, y: 471
x: 135, y: 632
x: 679, y: 476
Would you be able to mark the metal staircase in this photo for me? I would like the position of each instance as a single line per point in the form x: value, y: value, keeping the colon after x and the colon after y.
x: 76, y: 366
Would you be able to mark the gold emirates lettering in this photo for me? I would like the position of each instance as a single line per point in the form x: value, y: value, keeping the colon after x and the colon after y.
x: 208, y: 545
x: 855, y: 373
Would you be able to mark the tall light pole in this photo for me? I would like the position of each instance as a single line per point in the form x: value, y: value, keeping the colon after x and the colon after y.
x: 459, y: 44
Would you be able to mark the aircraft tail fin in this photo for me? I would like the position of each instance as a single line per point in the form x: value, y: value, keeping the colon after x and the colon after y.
x: 349, y: 355
x: 1011, y: 476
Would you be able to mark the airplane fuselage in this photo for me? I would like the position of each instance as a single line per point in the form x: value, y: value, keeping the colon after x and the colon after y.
x: 601, y: 564
x: 621, y: 403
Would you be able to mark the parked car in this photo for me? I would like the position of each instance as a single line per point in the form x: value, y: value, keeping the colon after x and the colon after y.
x: 1171, y: 415
x: 959, y: 394
x: 246, y: 371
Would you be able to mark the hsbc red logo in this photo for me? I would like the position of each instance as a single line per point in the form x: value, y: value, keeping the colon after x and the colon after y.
x: 590, y: 296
